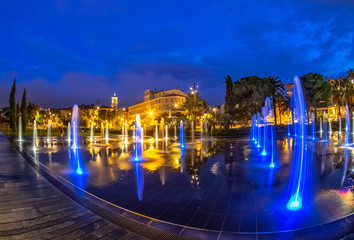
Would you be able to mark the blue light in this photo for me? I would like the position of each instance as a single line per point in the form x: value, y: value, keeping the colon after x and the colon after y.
x: 294, y: 204
x: 264, y: 153
x: 78, y: 170
x: 271, y: 165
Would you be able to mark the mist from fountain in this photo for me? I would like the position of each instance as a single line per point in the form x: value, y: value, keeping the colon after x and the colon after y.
x: 347, y: 126
x: 138, y: 139
x: 181, y: 135
x: 20, y: 139
x: 313, y: 128
x: 258, y: 130
x: 35, y: 134
x: 325, y: 139
x: 49, y: 132
x: 300, y: 162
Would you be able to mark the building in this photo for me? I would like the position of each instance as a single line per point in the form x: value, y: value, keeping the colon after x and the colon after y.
x: 114, y: 102
x: 156, y: 103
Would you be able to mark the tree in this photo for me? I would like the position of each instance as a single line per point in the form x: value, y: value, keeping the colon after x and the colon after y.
x: 275, y: 88
x: 229, y: 97
x: 12, y: 107
x: 24, y: 110
x: 194, y: 104
x: 338, y: 92
x: 315, y: 89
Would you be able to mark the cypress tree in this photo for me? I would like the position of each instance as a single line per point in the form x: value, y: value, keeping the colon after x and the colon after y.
x: 12, y: 107
x: 229, y: 98
x: 24, y: 110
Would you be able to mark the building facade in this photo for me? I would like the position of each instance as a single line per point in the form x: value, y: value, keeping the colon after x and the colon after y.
x: 156, y: 103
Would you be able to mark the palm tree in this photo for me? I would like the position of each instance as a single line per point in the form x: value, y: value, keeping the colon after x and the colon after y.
x: 275, y: 88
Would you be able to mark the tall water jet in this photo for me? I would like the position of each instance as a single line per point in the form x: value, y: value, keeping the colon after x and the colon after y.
x: 175, y: 131
x: 123, y: 132
x: 300, y: 162
x: 166, y: 133
x: 325, y: 139
x: 181, y: 135
x: 69, y: 133
x: 156, y: 133
x: 126, y: 132
x: 138, y: 139
x: 265, y: 131
x: 206, y: 128
x: 313, y: 127
x: 255, y: 129
x: 340, y: 126
x: 34, y: 135
x: 329, y: 127
x: 258, y: 130
x: 347, y: 124
x: 91, y: 133
x: 252, y: 129
x: 49, y: 132
x: 20, y: 129
x: 74, y: 131
x: 142, y: 140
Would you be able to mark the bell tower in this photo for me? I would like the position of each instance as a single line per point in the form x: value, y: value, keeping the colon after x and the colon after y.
x: 114, y: 101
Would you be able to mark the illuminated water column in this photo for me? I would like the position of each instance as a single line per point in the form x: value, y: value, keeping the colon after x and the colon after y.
x: 107, y: 133
x: 91, y: 133
x: 166, y: 133
x: 139, y: 174
x: 300, y: 162
x: 75, y: 143
x: 126, y: 132
x: 123, y: 132
x: 329, y: 127
x: 20, y: 129
x: 259, y: 130
x: 353, y: 123
x: 201, y: 130
x: 156, y: 133
x: 181, y: 135
x: 49, y: 132
x: 252, y: 129
x: 321, y: 128
x: 34, y: 135
x: 265, y: 132
x: 175, y: 131
x: 192, y: 130
x: 313, y: 127
x: 340, y: 126
x: 288, y: 130
x: 273, y: 150
x: 347, y: 126
x: 325, y: 138
x: 138, y: 139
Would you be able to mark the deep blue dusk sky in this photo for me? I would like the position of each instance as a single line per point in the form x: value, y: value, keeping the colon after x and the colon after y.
x: 67, y: 52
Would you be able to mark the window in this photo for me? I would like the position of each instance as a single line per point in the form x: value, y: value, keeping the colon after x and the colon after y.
x: 171, y: 99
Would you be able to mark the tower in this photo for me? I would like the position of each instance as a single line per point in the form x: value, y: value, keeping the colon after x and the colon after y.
x: 114, y: 101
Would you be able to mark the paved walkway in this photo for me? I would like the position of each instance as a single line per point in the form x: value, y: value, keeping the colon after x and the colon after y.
x: 31, y: 207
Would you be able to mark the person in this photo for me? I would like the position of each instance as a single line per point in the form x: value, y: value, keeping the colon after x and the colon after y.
x: 62, y: 131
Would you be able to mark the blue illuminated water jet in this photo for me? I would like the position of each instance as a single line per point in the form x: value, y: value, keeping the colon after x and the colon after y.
x: 347, y: 126
x: 325, y: 136
x: 300, y: 153
x: 288, y: 130
x: 258, y: 131
x: 138, y: 139
x: 265, y: 131
x: 313, y: 127
x: 181, y: 135
x: 75, y: 143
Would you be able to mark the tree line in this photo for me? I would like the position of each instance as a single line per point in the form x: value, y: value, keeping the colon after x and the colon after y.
x: 246, y: 96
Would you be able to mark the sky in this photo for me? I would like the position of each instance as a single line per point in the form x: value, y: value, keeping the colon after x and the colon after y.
x: 77, y: 52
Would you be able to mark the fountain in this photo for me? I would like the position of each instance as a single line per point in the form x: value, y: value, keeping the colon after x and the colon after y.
x: 126, y: 132
x: 325, y: 127
x: 91, y: 133
x: 175, y: 131
x: 20, y: 129
x: 329, y: 127
x: 34, y: 135
x: 181, y: 135
x: 166, y: 133
x: 340, y: 126
x: 138, y: 139
x: 123, y: 132
x: 265, y: 131
x: 288, y: 129
x: 353, y: 123
x: 156, y: 133
x: 321, y: 126
x: 49, y: 132
x: 347, y: 126
x: 258, y: 130
x: 206, y: 129
x: 75, y: 143
x: 252, y: 129
x: 300, y: 162
x: 313, y: 128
